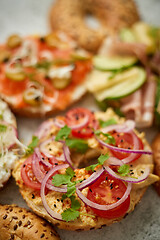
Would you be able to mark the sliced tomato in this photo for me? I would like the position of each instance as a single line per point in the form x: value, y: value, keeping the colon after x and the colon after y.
x: 76, y: 116
x: 28, y: 175
x: 125, y: 140
x: 108, y: 190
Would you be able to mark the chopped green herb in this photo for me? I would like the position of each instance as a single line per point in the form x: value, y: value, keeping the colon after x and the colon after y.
x: 75, y: 204
x: 60, y: 179
x: 70, y: 214
x: 111, y: 121
x: 71, y: 189
x: 123, y: 170
x: 118, y: 112
x: 78, y: 144
x: 3, y: 128
x: 110, y: 139
x: 101, y: 161
x: 70, y: 172
x: 63, y: 133
x: 44, y: 64
x: 32, y: 145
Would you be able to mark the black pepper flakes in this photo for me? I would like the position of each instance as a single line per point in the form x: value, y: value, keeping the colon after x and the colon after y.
x: 90, y: 190
x: 142, y: 172
x: 118, y: 198
x: 106, y: 178
x: 111, y: 186
x: 56, y: 164
x: 33, y: 196
x: 58, y: 200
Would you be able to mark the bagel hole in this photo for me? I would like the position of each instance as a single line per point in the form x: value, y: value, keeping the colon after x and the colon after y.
x: 91, y: 21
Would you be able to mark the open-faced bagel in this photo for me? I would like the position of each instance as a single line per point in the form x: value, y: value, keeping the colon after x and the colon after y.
x: 69, y: 16
x: 156, y: 154
x: 19, y: 223
x: 87, y: 218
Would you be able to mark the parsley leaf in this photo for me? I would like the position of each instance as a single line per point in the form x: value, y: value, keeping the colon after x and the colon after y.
x: 123, y: 170
x: 70, y: 214
x: 110, y: 139
x: 60, y: 179
x: 3, y: 128
x: 70, y: 172
x: 32, y: 145
x: 101, y: 161
x: 63, y: 133
x: 78, y: 144
x: 107, y: 123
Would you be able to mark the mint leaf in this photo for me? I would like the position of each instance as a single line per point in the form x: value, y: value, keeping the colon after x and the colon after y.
x: 60, y: 179
x: 32, y: 145
x: 111, y: 121
x: 123, y: 170
x: 78, y: 144
x: 70, y: 215
x: 63, y: 133
x: 3, y: 128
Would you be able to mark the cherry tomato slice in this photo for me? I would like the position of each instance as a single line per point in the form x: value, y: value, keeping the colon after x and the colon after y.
x: 125, y: 140
x: 108, y: 190
x: 76, y: 116
x: 28, y: 175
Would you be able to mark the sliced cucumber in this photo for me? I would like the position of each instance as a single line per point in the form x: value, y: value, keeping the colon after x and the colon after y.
x: 132, y: 80
x: 104, y: 63
x: 127, y: 35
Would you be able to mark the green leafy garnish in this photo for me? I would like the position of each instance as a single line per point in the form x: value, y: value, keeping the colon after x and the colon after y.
x: 32, y: 145
x: 110, y: 139
x: 101, y: 161
x: 70, y: 214
x: 44, y: 64
x: 63, y: 133
x: 3, y: 128
x: 78, y: 144
x: 107, y: 123
x: 75, y: 204
x: 123, y: 170
x: 118, y: 112
x: 60, y: 179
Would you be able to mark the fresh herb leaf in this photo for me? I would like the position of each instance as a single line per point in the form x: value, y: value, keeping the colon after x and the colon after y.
x: 110, y: 139
x: 32, y: 145
x: 44, y: 64
x: 75, y: 204
x: 70, y: 215
x: 118, y: 112
x: 3, y: 128
x: 101, y: 161
x: 78, y: 144
x: 60, y: 179
x: 63, y: 133
x: 70, y: 172
x: 123, y: 170
x: 111, y: 121
x: 71, y: 189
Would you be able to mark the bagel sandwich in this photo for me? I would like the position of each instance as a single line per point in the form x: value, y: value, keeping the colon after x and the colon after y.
x: 116, y: 169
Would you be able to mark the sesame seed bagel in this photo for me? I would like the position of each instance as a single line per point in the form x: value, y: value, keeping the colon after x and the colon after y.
x: 87, y: 219
x: 19, y: 223
x: 156, y: 154
x: 69, y: 16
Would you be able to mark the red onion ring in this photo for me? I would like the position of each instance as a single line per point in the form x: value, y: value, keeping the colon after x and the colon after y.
x: 91, y: 179
x: 67, y: 156
x: 127, y: 179
x: 104, y: 207
x: 60, y: 123
x: 42, y: 192
x: 43, y: 149
x: 114, y: 161
x: 125, y: 127
x: 40, y: 175
x: 44, y: 129
x: 43, y: 161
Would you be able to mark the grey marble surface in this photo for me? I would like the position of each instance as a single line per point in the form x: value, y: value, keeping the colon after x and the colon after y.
x: 30, y: 17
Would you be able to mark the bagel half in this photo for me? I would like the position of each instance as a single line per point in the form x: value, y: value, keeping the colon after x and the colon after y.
x: 156, y: 154
x: 69, y: 16
x: 87, y: 220
x: 19, y: 223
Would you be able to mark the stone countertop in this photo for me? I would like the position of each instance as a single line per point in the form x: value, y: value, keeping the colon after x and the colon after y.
x: 30, y: 17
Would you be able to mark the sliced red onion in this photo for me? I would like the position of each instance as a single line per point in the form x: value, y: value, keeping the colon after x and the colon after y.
x: 44, y: 129
x: 104, y: 207
x: 67, y: 156
x: 91, y: 179
x: 42, y: 192
x: 43, y: 147
x: 125, y: 127
x: 60, y: 158
x: 125, y: 178
x: 117, y: 149
x: 61, y: 123
x: 43, y: 161
x: 52, y: 100
x: 40, y: 175
x: 114, y: 161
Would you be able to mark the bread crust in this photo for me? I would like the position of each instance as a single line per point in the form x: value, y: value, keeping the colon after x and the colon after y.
x: 19, y: 223
x: 156, y: 155
x: 112, y: 15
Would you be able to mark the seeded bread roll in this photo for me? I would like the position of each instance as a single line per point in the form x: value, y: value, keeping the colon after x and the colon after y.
x: 18, y: 223
x: 156, y: 154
